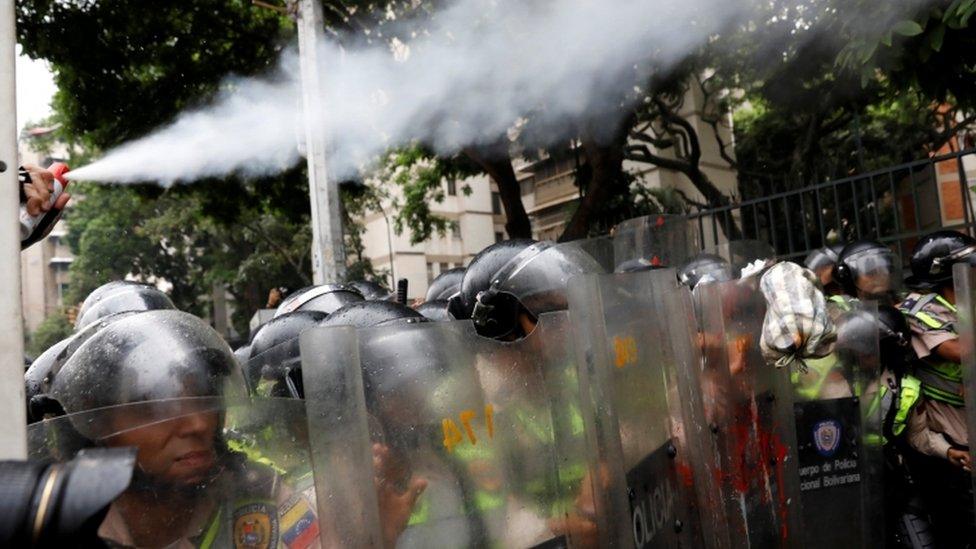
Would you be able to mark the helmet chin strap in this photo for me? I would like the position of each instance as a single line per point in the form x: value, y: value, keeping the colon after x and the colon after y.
x: 481, y: 315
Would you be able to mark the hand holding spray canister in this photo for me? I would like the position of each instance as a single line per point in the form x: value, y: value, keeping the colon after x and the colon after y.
x: 35, y: 227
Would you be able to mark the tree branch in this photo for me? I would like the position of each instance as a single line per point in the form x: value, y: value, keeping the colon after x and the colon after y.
x: 642, y: 153
x: 280, y: 250
x: 694, y: 154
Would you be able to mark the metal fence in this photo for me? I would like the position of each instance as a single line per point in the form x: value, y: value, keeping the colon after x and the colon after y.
x: 894, y: 205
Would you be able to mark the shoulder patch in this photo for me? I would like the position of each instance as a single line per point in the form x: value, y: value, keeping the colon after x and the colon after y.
x: 299, y: 525
x: 256, y: 526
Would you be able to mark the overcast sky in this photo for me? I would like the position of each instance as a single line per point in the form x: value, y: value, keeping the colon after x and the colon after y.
x: 35, y: 87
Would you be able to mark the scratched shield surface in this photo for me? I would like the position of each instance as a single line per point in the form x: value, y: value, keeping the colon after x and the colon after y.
x: 634, y: 339
x: 965, y: 283
x: 490, y: 431
x: 746, y: 421
x: 837, y: 405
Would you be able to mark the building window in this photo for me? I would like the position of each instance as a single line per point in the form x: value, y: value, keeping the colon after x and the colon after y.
x: 456, y: 230
x: 444, y: 266
x: 430, y: 272
x: 451, y: 187
x: 496, y: 204
x: 499, y: 236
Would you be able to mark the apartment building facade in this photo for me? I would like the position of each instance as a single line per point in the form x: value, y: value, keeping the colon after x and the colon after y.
x: 44, y: 266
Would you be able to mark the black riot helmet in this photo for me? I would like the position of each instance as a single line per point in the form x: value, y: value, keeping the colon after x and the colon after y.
x: 822, y: 262
x: 481, y: 271
x: 39, y: 375
x: 149, y: 356
x: 935, y: 254
x: 118, y: 297
x: 326, y: 298
x: 275, y: 367
x: 446, y: 284
x: 274, y: 363
x: 705, y: 267
x: 823, y: 257
x: 370, y: 314
x: 867, y: 269
x: 436, y: 310
x: 35, y: 375
x: 371, y: 291
x: 533, y: 281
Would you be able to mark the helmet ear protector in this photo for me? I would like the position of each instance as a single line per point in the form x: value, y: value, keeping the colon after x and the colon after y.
x: 844, y: 277
x: 43, y: 406
x: 495, y: 313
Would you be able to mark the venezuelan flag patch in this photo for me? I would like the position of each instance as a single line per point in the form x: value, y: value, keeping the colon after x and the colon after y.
x: 299, y: 525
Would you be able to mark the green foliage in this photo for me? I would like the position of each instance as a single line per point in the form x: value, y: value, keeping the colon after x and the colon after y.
x: 932, y: 49
x: 51, y: 330
x: 119, y: 231
x: 125, y: 67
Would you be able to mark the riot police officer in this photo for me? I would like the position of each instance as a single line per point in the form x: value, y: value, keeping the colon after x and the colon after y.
x: 867, y: 270
x: 937, y: 428
x: 161, y: 381
x: 900, y: 392
x: 509, y: 284
x: 506, y: 291
x: 822, y: 262
x: 273, y: 366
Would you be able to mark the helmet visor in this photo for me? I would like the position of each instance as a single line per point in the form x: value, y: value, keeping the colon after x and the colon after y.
x: 824, y: 258
x: 875, y: 272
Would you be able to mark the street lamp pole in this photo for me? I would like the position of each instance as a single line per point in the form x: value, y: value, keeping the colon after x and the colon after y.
x: 13, y: 428
x: 328, y: 252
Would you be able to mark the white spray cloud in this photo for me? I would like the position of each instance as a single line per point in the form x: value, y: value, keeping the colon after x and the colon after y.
x: 468, y: 76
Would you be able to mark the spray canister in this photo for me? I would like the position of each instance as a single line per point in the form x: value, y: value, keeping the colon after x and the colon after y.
x: 30, y: 223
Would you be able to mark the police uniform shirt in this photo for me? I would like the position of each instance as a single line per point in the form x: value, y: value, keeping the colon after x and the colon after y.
x: 286, y: 521
x: 931, y: 419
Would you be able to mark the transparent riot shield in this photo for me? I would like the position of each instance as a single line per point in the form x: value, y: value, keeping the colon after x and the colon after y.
x: 659, y: 240
x: 837, y: 403
x: 473, y: 442
x: 634, y: 342
x: 209, y: 472
x: 965, y: 284
x: 745, y: 423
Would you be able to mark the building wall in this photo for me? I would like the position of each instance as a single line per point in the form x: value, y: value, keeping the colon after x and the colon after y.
x: 43, y: 266
x: 475, y: 228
